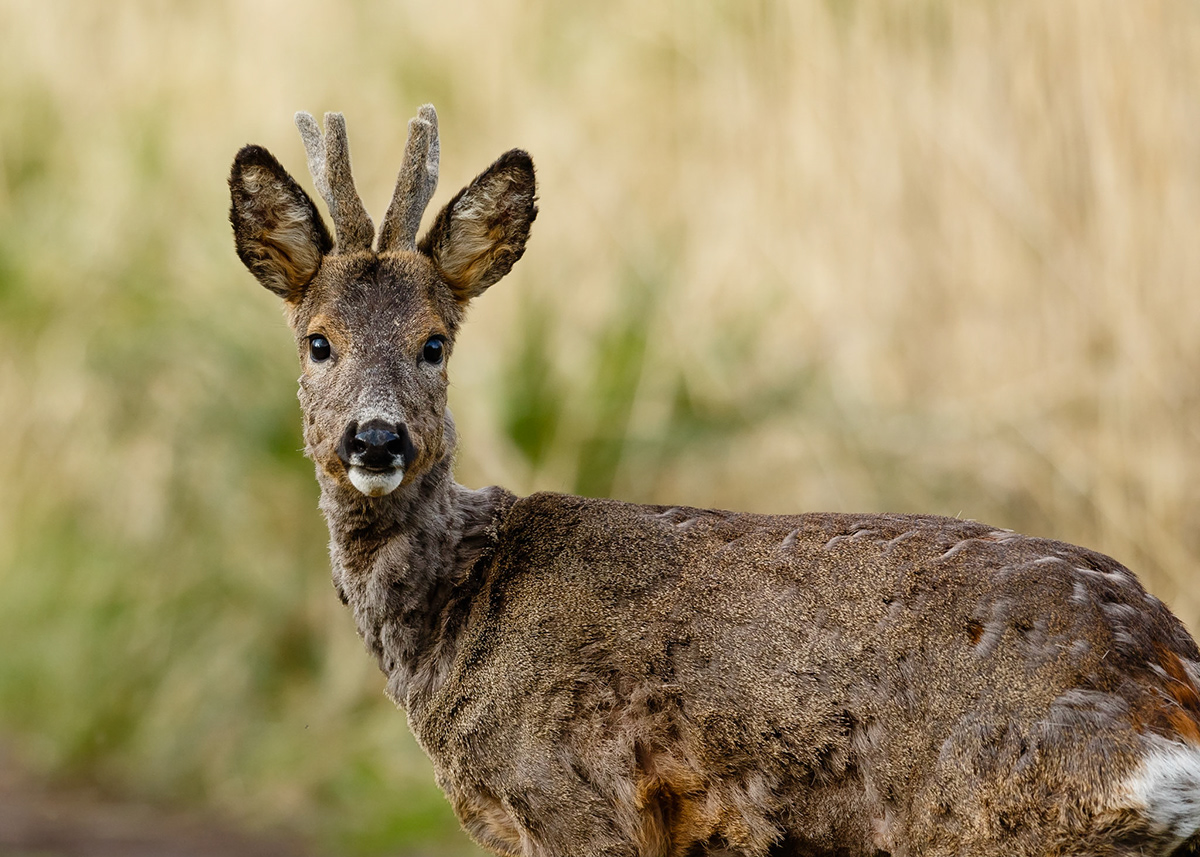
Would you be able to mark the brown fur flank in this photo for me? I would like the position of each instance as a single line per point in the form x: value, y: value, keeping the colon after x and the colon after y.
x: 593, y: 677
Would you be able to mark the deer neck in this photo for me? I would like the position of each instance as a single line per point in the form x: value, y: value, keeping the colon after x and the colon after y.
x: 404, y: 565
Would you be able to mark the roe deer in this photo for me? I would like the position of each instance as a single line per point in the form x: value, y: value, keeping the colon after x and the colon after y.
x: 595, y: 677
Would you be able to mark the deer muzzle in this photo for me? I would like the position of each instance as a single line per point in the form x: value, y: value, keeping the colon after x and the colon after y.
x: 376, y: 454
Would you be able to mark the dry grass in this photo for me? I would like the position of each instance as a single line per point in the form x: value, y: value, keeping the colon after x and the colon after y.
x: 917, y: 255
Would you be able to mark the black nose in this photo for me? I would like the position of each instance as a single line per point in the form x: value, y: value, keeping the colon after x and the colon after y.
x: 377, y: 445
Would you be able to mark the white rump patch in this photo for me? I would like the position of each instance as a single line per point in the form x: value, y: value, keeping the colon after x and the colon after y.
x: 1166, y: 788
x: 376, y: 483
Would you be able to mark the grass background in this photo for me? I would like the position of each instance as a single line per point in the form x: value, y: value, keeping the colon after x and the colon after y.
x: 911, y: 256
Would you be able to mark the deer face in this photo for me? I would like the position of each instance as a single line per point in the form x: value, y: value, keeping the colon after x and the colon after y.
x: 374, y: 328
x: 374, y: 334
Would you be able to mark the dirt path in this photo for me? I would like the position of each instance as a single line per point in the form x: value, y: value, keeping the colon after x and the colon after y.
x: 36, y: 821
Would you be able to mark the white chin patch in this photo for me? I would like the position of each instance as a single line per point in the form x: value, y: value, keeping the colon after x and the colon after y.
x: 376, y: 483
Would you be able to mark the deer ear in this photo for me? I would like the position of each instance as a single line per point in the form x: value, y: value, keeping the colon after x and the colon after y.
x: 481, y: 233
x: 278, y: 232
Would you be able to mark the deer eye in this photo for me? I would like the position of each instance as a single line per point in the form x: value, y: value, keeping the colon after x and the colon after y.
x: 435, y: 350
x: 318, y: 348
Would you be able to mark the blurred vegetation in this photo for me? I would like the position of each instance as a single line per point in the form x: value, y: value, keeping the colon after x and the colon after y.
x: 913, y: 256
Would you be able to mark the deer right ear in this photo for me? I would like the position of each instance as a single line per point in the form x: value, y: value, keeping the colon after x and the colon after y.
x: 279, y: 234
x: 481, y: 233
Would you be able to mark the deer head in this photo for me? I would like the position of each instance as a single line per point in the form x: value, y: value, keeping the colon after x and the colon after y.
x: 375, y: 326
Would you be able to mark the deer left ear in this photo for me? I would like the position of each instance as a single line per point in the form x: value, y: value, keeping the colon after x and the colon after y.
x: 279, y: 234
x: 481, y: 233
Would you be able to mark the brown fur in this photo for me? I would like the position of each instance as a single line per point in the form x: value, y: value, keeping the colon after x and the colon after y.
x: 1176, y: 710
x: 595, y: 677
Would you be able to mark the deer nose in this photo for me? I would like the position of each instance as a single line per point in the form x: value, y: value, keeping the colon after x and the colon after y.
x: 377, y: 445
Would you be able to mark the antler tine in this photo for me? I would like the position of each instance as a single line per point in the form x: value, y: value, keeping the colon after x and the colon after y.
x: 356, y: 225
x: 314, y: 147
x: 329, y: 164
x: 415, y: 183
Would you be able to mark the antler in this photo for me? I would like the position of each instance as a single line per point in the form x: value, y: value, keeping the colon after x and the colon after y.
x: 329, y: 163
x: 414, y: 185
